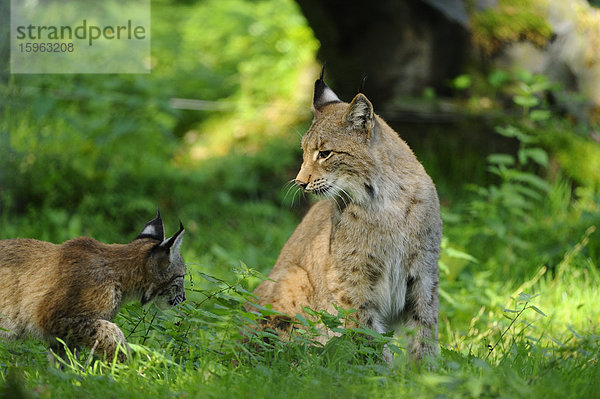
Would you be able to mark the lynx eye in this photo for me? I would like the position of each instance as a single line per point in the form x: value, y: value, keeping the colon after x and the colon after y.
x: 324, y: 154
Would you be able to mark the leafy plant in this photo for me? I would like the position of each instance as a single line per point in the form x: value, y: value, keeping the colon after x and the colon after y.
x: 504, y: 208
x: 523, y: 303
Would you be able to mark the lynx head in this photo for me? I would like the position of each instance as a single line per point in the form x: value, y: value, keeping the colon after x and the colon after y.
x: 338, y: 160
x: 166, y: 267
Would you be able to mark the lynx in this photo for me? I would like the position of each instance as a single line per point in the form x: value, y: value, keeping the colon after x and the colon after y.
x: 72, y: 290
x: 372, y: 243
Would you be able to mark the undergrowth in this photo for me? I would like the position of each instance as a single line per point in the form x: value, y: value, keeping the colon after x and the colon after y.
x: 528, y: 345
x: 520, y: 253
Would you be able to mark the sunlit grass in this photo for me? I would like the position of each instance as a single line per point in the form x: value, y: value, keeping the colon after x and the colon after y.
x: 518, y: 313
x: 537, y: 354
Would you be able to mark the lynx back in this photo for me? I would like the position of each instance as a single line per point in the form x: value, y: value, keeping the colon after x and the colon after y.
x: 72, y: 290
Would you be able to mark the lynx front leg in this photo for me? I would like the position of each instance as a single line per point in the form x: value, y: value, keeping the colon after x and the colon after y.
x: 102, y: 336
x: 361, y: 279
x: 106, y: 337
x: 422, y: 313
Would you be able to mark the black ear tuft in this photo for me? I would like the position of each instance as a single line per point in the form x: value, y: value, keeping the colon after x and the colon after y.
x: 361, y: 89
x: 173, y: 243
x: 323, y: 95
x: 153, y: 229
x: 147, y: 295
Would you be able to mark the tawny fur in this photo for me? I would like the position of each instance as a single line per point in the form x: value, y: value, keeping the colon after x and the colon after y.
x: 73, y: 290
x: 373, y: 243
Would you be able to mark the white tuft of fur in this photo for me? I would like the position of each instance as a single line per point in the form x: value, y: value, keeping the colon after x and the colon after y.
x: 328, y: 96
x: 149, y: 230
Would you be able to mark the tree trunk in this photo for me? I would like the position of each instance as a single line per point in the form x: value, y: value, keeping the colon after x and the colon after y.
x: 402, y: 46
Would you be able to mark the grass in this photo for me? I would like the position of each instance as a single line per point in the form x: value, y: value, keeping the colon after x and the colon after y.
x: 538, y: 356
x: 540, y: 319
x: 519, y: 267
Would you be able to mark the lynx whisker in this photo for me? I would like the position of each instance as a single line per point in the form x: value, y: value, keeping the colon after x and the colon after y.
x: 338, y: 191
x: 297, y: 191
x: 298, y: 133
x: 334, y: 197
x: 290, y: 186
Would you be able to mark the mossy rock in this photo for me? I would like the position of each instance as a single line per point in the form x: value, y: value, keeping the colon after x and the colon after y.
x: 510, y: 21
x: 578, y: 156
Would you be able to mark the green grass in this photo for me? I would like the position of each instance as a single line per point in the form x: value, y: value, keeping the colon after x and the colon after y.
x: 519, y: 269
x: 538, y: 356
x: 196, y: 350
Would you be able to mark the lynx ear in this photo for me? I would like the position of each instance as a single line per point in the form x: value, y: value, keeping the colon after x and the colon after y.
x: 172, y: 244
x: 153, y: 229
x: 148, y: 294
x: 360, y: 113
x: 323, y: 95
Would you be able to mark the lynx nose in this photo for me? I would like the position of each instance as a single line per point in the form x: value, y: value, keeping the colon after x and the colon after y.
x: 301, y: 184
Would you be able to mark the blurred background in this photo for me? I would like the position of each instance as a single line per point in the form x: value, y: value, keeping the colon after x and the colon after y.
x: 499, y: 99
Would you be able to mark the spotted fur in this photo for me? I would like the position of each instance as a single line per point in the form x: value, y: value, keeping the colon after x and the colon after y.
x: 373, y: 242
x: 72, y: 290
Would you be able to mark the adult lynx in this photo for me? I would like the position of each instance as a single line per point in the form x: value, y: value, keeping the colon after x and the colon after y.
x: 373, y: 243
x: 73, y: 290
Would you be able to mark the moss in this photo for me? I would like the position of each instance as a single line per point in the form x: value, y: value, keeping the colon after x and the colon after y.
x: 510, y: 21
x: 578, y: 157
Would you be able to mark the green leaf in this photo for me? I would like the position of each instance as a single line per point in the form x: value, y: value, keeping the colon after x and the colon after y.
x: 514, y: 132
x: 539, y: 115
x: 508, y: 131
x: 494, y: 170
x: 368, y: 332
x: 542, y: 84
x: 396, y: 349
x: 526, y: 101
x: 241, y: 290
x: 501, y: 159
x: 575, y: 333
x: 209, y: 278
x: 444, y: 269
x: 462, y: 82
x: 429, y: 93
x: 302, y: 319
x: 537, y: 310
x: 537, y: 155
x: 528, y: 324
x: 524, y: 297
x: 498, y: 77
x: 454, y: 253
x: 531, y: 179
x: 208, y: 314
x: 528, y: 192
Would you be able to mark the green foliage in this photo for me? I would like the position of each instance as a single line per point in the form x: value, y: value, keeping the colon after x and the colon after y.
x: 579, y: 156
x: 520, y: 210
x: 197, y: 349
x: 80, y: 150
x: 252, y: 46
x: 462, y: 82
x: 95, y: 155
